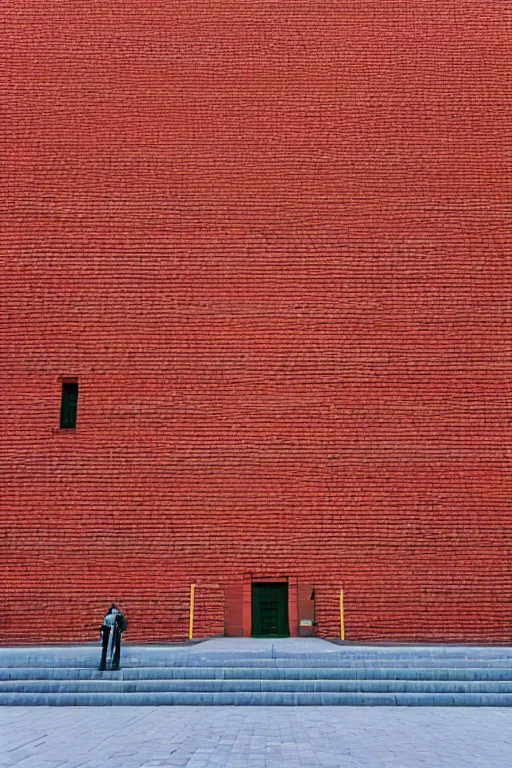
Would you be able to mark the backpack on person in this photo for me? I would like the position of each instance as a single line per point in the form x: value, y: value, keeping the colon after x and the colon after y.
x: 122, y: 623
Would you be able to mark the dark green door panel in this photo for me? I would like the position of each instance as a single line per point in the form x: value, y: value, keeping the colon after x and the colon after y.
x: 270, y: 610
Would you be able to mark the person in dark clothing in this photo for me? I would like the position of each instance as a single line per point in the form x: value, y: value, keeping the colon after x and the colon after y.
x: 114, y: 624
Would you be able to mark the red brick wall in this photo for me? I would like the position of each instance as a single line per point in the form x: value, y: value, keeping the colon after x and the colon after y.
x: 270, y: 239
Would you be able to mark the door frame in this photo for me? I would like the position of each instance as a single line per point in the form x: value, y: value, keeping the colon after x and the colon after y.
x: 293, y: 607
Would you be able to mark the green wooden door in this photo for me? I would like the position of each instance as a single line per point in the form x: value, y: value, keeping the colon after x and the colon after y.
x: 270, y: 610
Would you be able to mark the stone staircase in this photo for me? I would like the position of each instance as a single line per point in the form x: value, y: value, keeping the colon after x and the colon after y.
x: 345, y: 675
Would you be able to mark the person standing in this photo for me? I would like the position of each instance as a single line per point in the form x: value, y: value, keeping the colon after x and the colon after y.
x: 114, y: 624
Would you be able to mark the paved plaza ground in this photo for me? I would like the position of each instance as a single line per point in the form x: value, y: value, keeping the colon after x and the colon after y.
x: 255, y: 737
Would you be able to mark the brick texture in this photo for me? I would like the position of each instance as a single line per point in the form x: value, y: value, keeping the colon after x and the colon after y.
x: 272, y: 241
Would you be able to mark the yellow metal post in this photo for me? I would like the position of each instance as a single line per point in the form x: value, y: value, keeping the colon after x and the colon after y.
x: 191, y: 616
x: 342, y: 617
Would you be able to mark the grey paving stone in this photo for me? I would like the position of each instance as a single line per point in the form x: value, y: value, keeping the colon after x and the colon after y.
x: 195, y: 737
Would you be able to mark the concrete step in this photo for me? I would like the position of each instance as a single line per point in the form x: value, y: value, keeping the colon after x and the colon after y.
x: 298, y: 653
x: 336, y: 662
x: 259, y: 673
x: 268, y: 686
x: 246, y: 698
x: 325, y: 661
x: 159, y: 675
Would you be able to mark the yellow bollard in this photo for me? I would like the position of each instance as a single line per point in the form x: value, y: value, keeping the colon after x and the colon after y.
x: 191, y: 617
x: 342, y: 617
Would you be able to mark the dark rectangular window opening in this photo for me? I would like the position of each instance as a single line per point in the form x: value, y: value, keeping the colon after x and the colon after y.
x: 69, y: 405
